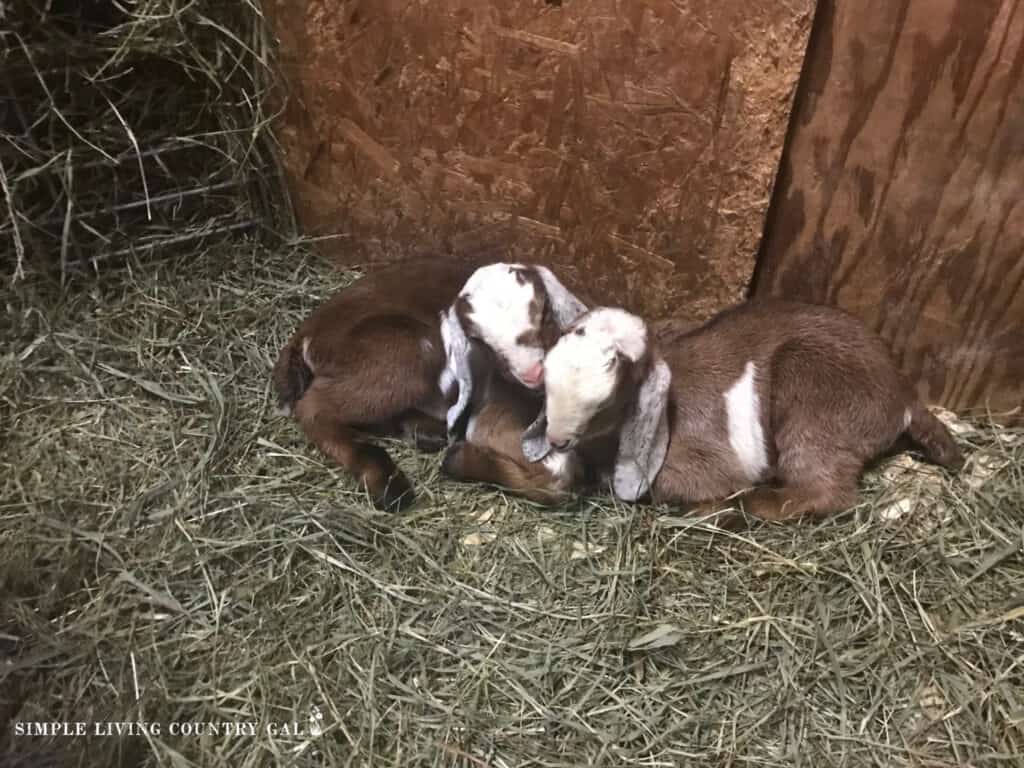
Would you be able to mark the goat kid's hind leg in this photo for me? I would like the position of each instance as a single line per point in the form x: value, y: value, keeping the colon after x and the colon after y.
x: 816, y: 492
x: 721, y: 513
x: 370, y: 464
x: 793, y: 502
x: 470, y: 462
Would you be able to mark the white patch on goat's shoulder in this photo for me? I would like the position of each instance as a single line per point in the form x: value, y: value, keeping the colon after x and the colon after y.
x: 305, y: 353
x: 746, y: 436
x: 907, y: 418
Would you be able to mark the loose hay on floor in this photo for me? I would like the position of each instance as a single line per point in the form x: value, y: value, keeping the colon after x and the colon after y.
x: 171, y: 551
x: 139, y: 127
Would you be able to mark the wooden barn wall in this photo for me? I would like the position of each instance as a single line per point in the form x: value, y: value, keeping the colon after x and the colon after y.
x: 901, y: 195
x: 634, y: 144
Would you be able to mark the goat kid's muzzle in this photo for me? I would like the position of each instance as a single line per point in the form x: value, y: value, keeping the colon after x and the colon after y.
x: 532, y: 377
x: 561, y: 443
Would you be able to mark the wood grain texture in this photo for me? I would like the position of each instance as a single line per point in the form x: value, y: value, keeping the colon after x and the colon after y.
x: 901, y: 192
x: 631, y: 144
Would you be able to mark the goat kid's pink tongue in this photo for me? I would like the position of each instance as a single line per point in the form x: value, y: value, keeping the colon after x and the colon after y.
x: 534, y: 375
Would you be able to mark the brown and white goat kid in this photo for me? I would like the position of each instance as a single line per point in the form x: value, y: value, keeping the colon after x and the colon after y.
x: 501, y: 324
x: 388, y: 355
x: 798, y: 395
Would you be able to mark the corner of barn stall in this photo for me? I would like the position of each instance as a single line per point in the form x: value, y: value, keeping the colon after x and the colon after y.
x: 184, y: 576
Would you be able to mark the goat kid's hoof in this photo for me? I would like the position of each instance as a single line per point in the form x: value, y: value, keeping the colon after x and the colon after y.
x: 763, y: 504
x: 952, y: 458
x: 428, y: 443
x: 398, y: 495
x: 453, y: 458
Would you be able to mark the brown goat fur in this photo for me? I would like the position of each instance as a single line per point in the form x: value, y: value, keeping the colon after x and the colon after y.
x: 827, y: 398
x: 368, y: 361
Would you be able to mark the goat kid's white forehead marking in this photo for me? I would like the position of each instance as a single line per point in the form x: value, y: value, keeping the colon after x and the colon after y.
x: 499, y: 297
x: 501, y: 311
x: 580, y: 371
x: 617, y: 328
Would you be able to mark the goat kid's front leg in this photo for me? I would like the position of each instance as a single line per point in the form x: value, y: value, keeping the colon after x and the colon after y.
x: 469, y: 462
x: 371, y: 465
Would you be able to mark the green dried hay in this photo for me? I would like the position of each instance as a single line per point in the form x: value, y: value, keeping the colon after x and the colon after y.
x: 134, y: 127
x: 171, y: 550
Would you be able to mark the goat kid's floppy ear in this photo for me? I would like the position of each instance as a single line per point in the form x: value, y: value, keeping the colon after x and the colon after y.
x: 457, y: 351
x: 643, y: 442
x: 535, y: 442
x: 565, y: 307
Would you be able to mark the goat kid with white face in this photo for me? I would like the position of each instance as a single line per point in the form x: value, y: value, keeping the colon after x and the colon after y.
x: 497, y: 333
x: 798, y: 395
x: 387, y: 355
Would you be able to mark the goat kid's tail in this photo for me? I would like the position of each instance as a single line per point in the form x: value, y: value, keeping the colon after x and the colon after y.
x: 292, y: 375
x: 934, y: 438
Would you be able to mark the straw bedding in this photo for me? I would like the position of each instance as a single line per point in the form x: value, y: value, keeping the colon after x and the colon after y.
x: 172, y: 551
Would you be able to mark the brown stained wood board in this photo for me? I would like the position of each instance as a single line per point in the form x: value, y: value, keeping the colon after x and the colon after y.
x: 901, y: 194
x: 632, y: 145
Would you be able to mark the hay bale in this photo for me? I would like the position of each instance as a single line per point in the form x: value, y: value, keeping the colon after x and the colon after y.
x: 130, y: 128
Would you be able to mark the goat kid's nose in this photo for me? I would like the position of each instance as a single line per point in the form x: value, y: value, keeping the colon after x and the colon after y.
x: 533, y: 375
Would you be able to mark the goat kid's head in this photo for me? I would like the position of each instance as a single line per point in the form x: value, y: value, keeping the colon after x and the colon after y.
x: 601, y: 376
x: 515, y: 312
x: 592, y: 372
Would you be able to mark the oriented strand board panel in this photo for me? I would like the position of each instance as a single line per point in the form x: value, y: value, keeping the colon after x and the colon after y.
x: 901, y: 195
x: 634, y: 144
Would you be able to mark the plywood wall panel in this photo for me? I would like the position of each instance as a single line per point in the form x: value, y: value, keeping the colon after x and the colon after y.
x: 901, y: 196
x: 632, y: 144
